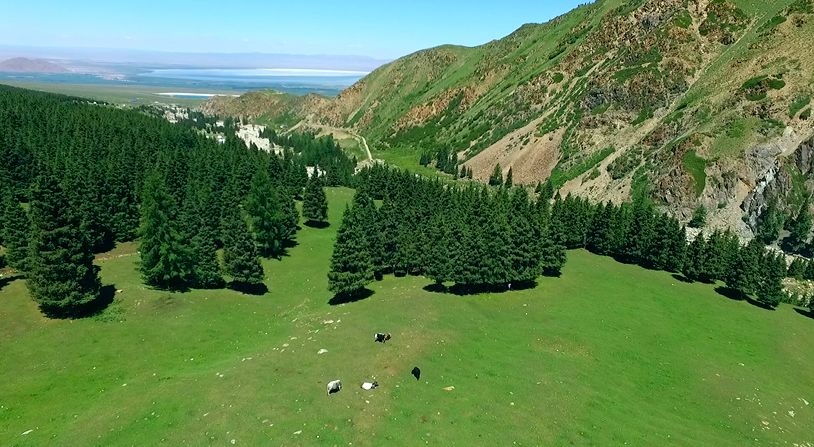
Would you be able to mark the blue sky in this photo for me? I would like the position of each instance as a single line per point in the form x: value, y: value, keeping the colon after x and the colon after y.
x: 378, y: 28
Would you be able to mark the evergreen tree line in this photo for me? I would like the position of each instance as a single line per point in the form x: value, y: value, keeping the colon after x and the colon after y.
x: 95, y: 175
x: 636, y: 233
x: 482, y: 238
x: 475, y: 237
x: 496, y: 179
x: 324, y: 152
x: 445, y: 161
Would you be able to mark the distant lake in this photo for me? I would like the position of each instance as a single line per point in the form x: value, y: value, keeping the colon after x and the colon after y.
x: 294, y: 81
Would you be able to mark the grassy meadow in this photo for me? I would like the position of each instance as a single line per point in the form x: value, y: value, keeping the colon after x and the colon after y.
x: 607, y: 354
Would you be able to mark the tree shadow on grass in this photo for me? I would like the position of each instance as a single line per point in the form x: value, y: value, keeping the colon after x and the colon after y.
x: 732, y: 294
x: 760, y: 304
x: 804, y: 312
x: 682, y: 278
x: 8, y: 279
x: 248, y: 288
x: 552, y: 273
x: 93, y: 308
x: 737, y: 295
x: 479, y: 289
x: 345, y: 298
x: 317, y: 224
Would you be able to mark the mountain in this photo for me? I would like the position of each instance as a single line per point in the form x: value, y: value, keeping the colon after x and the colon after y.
x: 166, y: 59
x: 687, y: 101
x: 25, y: 65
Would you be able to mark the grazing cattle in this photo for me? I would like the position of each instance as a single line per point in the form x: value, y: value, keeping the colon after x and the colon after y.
x: 381, y: 337
x: 334, y: 386
x: 416, y: 373
x: 369, y: 386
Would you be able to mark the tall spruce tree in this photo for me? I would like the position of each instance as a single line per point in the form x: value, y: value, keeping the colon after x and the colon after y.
x: 15, y: 233
x: 166, y: 256
x: 695, y: 259
x: 441, y: 256
x: 552, y: 251
x: 351, y: 268
x: 769, y: 224
x: 240, y: 256
x: 769, y: 289
x: 699, y: 217
x: 386, y: 228
x: 797, y: 269
x: 61, y: 275
x: 509, y: 179
x: 798, y: 232
x: 206, y: 265
x: 314, y: 202
x: 525, y: 234
x: 745, y: 272
x: 497, y: 176
x: 271, y: 217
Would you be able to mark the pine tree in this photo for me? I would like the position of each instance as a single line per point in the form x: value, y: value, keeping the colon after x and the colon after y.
x: 61, y: 275
x: 166, y: 258
x: 699, y: 217
x: 206, y: 265
x: 797, y: 269
x: 809, y: 272
x: 525, y: 237
x: 15, y: 233
x: 351, y: 268
x: 599, y: 238
x: 769, y: 224
x: 365, y: 216
x: 552, y: 250
x: 642, y: 233
x: 240, y: 257
x: 769, y: 290
x: 695, y: 260
x: 800, y: 228
x: 440, y: 258
x: 497, y: 176
x: 386, y: 229
x: 270, y: 215
x: 509, y: 179
x: 744, y: 274
x: 315, y: 204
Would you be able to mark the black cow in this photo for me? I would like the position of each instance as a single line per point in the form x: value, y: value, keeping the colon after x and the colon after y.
x: 416, y: 373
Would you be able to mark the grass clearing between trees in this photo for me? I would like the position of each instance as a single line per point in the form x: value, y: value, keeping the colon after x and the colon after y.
x: 606, y: 354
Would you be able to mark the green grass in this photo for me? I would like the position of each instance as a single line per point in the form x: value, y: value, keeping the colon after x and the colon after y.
x: 696, y: 166
x: 732, y: 138
x: 798, y: 104
x: 353, y: 148
x: 607, y: 354
x: 407, y: 158
x: 117, y: 94
x: 559, y: 176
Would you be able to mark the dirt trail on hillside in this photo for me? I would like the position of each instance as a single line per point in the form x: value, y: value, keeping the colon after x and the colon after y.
x: 337, y: 132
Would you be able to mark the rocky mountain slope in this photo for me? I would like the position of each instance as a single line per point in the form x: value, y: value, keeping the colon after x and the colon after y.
x: 688, y: 101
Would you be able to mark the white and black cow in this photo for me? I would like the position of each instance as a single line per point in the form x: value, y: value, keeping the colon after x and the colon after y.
x: 370, y: 385
x: 334, y: 386
x: 381, y: 337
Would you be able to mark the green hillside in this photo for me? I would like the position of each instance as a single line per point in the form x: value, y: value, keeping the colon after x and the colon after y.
x: 607, y: 354
x: 729, y: 81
